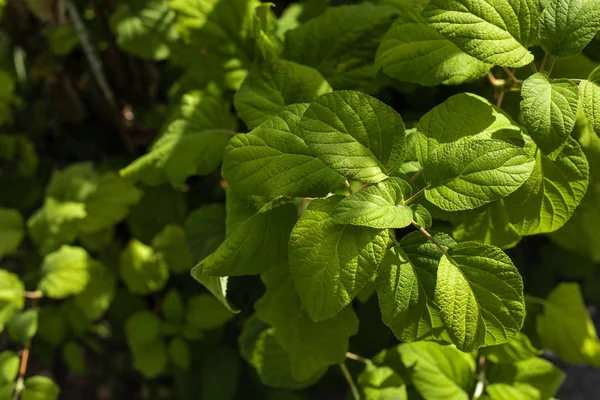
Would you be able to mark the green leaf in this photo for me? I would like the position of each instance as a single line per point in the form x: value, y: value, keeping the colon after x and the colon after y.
x: 495, y: 32
x: 567, y: 26
x: 438, y: 372
x: 150, y: 358
x: 468, y: 174
x: 9, y: 366
x: 312, y: 346
x: 272, y: 84
x: 171, y: 246
x: 142, y: 327
x: 258, y: 241
x: 220, y: 374
x: 421, y: 216
x: 412, y: 51
x: 518, y: 349
x: 99, y: 293
x: 40, y: 388
x: 380, y: 206
x: 341, y: 43
x: 74, y: 357
x: 142, y: 331
x: 381, y: 383
x: 331, y: 263
x: 480, y: 295
x: 23, y: 327
x: 109, y: 203
x: 11, y: 230
x: 52, y: 325
x: 406, y: 283
x: 180, y: 354
x: 172, y: 307
x: 65, y: 272
x: 272, y: 160
x: 530, y: 379
x: 191, y: 144
x: 260, y: 348
x: 11, y: 296
x: 565, y: 327
x: 205, y: 230
x: 145, y: 28
x: 354, y: 134
x: 205, y: 312
x: 590, y: 99
x: 464, y: 115
x: 142, y: 270
x: 549, y: 109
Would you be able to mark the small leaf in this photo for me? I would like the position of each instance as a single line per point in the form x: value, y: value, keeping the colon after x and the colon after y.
x: 412, y: 51
x: 468, y: 174
x: 480, y: 295
x: 23, y: 327
x: 590, y: 99
x: 438, y: 372
x: 421, y: 216
x: 9, y: 366
x: 205, y: 312
x: 549, y: 110
x: 567, y: 26
x: 52, y: 325
x: 150, y: 358
x: 381, y: 382
x: 495, y: 32
x: 99, y: 293
x: 565, y: 327
x: 406, y: 283
x: 518, y: 349
x: 65, y: 272
x: 331, y: 263
x: 354, y: 134
x: 141, y: 269
x: 11, y: 296
x: 530, y: 379
x: 272, y: 160
x: 74, y: 357
x: 380, y: 206
x: 142, y: 327
x: 40, y: 388
x: 170, y: 245
x: 180, y: 354
x: 464, y: 115
x: 172, y: 307
x: 11, y: 230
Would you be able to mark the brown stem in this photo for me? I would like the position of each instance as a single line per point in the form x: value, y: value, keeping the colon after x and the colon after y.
x: 356, y: 357
x: 35, y: 295
x: 494, y: 81
x: 511, y: 74
x: 480, y: 386
x: 544, y: 61
x: 552, y: 66
x: 533, y: 67
x: 350, y: 381
x: 415, y: 176
x: 500, y: 98
x: 348, y: 187
x: 431, y: 238
x: 415, y: 196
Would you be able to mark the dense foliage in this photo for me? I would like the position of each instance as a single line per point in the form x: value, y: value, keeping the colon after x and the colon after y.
x: 231, y: 199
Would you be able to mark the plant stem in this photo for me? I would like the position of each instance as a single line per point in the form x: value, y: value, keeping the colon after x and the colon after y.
x: 25, y: 354
x: 348, y: 187
x: 576, y: 80
x: 500, y: 98
x: 544, y: 61
x: 366, y: 185
x: 511, y: 75
x: 535, y: 300
x: 428, y: 235
x: 480, y: 386
x: 392, y: 234
x: 356, y: 357
x: 551, y: 66
x: 533, y: 67
x: 33, y: 295
x: 494, y: 81
x: 415, y: 176
x: 350, y: 381
x: 415, y: 196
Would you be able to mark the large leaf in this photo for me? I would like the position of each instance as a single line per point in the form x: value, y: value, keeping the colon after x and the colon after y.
x: 11, y: 296
x: 467, y: 174
x: 567, y: 26
x: 480, y: 295
x: 530, y: 379
x: 380, y: 206
x: 191, y: 144
x: 495, y: 32
x: 412, y: 51
x: 438, y: 372
x: 518, y: 349
x: 354, y: 134
x: 406, y: 288
x: 65, y: 272
x: 330, y: 262
x: 11, y: 230
x: 549, y: 109
x: 260, y: 348
x: 272, y: 160
x: 257, y: 242
x: 464, y: 115
x: 565, y: 327
x: 381, y: 383
x: 341, y: 43
x: 312, y: 346
x: 590, y: 99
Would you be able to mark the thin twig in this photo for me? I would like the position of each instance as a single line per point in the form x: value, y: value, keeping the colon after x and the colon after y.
x: 480, y: 386
x: 511, y: 74
x: 544, y: 61
x: 24, y: 356
x: 415, y: 176
x: 33, y: 295
x: 551, y: 66
x: 500, y: 98
x: 415, y: 196
x: 348, y: 187
x: 533, y: 67
x: 366, y: 185
x: 535, y: 300
x: 356, y: 357
x: 431, y: 238
x: 350, y: 381
x: 494, y: 81
x: 577, y: 80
